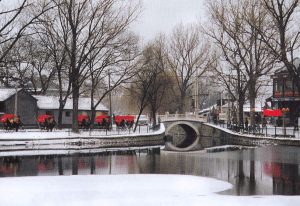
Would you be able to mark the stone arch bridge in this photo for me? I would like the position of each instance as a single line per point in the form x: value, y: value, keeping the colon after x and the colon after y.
x: 190, y: 132
x: 183, y: 132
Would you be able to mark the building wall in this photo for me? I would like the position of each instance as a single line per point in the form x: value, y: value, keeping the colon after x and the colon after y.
x: 26, y: 107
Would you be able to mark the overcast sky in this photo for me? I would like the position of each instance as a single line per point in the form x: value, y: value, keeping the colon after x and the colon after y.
x: 160, y: 16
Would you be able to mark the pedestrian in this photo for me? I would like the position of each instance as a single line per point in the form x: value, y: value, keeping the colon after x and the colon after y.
x: 246, y: 123
x: 17, y: 123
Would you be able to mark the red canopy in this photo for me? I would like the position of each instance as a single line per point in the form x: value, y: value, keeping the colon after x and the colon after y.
x: 7, y: 116
x: 81, y: 117
x: 272, y: 113
x: 42, y: 118
x: 100, y: 118
x: 127, y: 118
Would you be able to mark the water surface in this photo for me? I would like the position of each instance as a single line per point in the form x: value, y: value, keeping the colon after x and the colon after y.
x: 272, y: 170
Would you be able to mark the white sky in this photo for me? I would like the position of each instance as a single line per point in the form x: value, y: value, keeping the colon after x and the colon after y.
x: 160, y: 16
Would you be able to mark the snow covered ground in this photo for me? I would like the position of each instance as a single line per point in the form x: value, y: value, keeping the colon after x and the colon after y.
x: 66, y: 133
x: 127, y: 190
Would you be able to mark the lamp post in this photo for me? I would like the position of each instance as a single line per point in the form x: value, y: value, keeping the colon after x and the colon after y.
x: 284, y: 111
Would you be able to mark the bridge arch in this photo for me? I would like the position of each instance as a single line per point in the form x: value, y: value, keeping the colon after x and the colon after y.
x: 191, y: 140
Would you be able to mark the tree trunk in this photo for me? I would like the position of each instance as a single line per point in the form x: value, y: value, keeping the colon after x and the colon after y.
x: 252, y: 97
x: 93, y: 108
x: 181, y: 107
x: 241, y: 102
x: 75, y: 109
x: 137, y: 120
x: 60, y: 114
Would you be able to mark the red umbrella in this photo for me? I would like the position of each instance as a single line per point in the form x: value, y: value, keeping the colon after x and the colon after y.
x: 99, y: 119
x: 81, y: 117
x: 7, y: 116
x: 42, y: 118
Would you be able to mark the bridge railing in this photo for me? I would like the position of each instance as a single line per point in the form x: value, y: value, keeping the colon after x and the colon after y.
x: 187, y: 116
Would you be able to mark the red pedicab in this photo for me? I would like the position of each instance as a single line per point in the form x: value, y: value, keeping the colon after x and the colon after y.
x: 7, y: 121
x: 83, y: 121
x: 103, y: 121
x: 10, y: 121
x: 123, y: 121
x: 46, y: 122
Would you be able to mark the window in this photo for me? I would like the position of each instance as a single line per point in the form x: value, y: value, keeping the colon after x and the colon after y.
x: 288, y: 88
x: 278, y: 88
x: 68, y: 113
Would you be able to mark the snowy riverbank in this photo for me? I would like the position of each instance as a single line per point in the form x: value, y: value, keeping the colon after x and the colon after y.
x: 127, y: 190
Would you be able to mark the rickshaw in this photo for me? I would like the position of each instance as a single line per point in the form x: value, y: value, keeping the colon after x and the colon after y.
x: 124, y: 121
x: 103, y: 121
x: 83, y: 121
x: 46, y: 122
x: 11, y: 121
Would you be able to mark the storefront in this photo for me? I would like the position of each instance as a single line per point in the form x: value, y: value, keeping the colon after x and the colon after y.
x: 285, y: 97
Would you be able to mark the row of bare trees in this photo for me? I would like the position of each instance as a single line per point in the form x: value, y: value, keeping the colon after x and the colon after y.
x: 169, y: 69
x: 252, y: 39
x: 68, y: 43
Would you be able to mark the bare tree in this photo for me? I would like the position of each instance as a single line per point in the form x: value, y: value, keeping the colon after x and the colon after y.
x: 10, y: 28
x: 285, y: 41
x: 146, y: 86
x: 155, y: 59
x: 85, y: 29
x: 188, y: 58
x: 242, y: 47
x: 113, y: 66
x: 49, y: 33
x: 42, y: 70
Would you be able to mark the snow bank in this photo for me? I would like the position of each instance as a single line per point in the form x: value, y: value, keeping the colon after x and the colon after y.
x: 127, y: 190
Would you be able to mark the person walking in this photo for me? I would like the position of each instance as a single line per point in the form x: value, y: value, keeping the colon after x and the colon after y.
x: 246, y: 123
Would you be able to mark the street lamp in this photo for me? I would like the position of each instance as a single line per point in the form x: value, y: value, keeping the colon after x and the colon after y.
x: 284, y: 111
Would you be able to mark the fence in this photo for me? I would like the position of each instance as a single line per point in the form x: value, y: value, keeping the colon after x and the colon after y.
x: 268, y: 130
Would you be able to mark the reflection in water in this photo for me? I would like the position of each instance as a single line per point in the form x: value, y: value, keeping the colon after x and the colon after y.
x: 260, y: 171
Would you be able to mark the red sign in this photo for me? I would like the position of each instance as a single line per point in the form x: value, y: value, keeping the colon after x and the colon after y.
x: 272, y: 112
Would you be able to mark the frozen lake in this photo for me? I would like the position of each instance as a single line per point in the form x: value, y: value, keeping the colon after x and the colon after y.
x: 258, y: 171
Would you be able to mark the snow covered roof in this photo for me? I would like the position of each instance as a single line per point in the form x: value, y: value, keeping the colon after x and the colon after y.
x: 5, y: 93
x: 258, y: 107
x: 52, y: 102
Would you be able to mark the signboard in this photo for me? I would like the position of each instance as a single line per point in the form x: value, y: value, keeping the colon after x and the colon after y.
x: 272, y: 112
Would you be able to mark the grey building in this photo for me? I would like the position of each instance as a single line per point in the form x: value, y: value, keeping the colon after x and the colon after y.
x: 29, y: 107
x: 20, y: 102
x: 50, y: 105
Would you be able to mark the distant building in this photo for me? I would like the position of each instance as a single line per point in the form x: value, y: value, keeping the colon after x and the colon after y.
x: 50, y: 105
x: 26, y: 104
x: 285, y: 95
x: 29, y: 107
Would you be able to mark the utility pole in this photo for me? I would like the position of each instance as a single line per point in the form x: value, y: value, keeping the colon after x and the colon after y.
x: 110, y: 106
x: 196, y: 102
x: 16, y: 100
